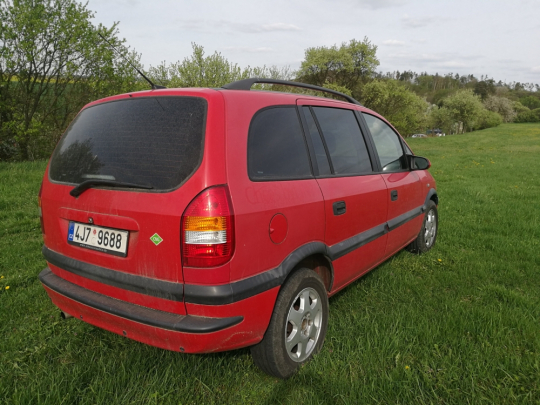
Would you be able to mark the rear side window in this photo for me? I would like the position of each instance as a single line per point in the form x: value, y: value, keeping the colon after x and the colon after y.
x: 157, y: 141
x: 276, y: 146
x: 344, y: 141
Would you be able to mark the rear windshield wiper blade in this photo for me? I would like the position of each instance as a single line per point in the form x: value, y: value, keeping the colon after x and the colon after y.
x: 85, y: 185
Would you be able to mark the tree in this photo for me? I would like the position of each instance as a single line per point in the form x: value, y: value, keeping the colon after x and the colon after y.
x: 530, y: 101
x: 404, y: 109
x: 210, y: 71
x: 346, y: 66
x: 440, y: 117
x: 52, y: 62
x: 484, y: 88
x: 501, y: 105
x: 488, y: 119
x: 465, y: 107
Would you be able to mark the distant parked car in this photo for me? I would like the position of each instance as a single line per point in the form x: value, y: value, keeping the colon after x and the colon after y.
x: 419, y: 136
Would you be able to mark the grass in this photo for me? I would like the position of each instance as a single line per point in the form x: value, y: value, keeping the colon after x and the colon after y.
x: 457, y: 325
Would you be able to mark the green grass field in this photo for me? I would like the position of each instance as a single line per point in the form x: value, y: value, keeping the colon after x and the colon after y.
x: 458, y: 325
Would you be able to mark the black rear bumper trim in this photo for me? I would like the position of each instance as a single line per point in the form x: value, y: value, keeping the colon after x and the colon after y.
x: 136, y: 313
x: 139, y: 284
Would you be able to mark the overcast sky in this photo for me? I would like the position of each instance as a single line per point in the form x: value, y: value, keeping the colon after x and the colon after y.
x: 500, y: 39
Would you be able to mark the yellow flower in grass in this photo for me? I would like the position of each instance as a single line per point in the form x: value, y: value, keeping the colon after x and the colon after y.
x: 407, y: 368
x: 2, y: 277
x: 439, y: 260
x: 7, y: 287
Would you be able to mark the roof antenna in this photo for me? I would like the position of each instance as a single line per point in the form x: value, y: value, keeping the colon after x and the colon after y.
x: 154, y: 86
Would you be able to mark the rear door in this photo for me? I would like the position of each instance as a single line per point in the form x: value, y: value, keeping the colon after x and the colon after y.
x: 354, y: 196
x: 404, y: 196
x: 155, y: 143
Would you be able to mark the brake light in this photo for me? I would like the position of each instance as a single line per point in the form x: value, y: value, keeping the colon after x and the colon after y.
x: 40, y: 212
x: 208, y: 229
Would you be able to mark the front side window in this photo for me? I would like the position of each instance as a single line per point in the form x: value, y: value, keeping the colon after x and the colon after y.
x: 276, y: 146
x: 387, y: 144
x: 344, y: 141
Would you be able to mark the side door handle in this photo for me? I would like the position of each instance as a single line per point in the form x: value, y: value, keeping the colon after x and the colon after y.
x: 393, y: 195
x: 339, y: 207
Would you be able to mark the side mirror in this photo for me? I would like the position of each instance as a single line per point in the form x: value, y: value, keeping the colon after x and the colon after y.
x: 419, y: 163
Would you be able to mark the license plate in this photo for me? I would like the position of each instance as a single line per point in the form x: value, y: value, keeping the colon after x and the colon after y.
x: 106, y: 240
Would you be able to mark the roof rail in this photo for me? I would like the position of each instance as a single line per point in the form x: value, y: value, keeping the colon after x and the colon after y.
x: 247, y: 83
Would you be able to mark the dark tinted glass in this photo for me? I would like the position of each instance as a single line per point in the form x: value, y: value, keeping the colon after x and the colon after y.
x: 344, y: 141
x: 320, y: 153
x: 387, y: 144
x: 156, y: 141
x: 276, y: 146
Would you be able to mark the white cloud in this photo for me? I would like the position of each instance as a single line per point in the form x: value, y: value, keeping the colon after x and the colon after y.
x: 208, y: 26
x: 377, y: 4
x: 535, y: 69
x: 393, y: 42
x: 279, y: 27
x: 246, y: 49
x: 418, y: 22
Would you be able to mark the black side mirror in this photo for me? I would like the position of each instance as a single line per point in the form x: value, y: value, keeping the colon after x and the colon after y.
x: 419, y: 163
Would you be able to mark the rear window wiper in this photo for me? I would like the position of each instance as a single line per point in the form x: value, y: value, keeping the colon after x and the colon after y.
x: 85, y: 185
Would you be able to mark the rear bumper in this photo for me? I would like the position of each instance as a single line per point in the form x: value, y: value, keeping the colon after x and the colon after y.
x: 185, y: 333
x: 132, y: 312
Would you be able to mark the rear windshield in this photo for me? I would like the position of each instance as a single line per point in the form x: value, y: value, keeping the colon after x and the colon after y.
x: 154, y: 141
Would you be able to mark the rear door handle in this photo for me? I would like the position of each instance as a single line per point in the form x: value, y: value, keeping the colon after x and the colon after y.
x: 339, y: 207
x: 393, y: 195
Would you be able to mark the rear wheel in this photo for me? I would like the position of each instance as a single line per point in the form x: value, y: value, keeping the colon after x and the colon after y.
x: 428, y: 234
x: 298, y: 326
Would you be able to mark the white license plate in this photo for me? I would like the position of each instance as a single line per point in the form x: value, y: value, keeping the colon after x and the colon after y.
x: 106, y: 240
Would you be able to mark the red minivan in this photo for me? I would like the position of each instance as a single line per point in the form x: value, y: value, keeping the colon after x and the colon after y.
x: 202, y: 220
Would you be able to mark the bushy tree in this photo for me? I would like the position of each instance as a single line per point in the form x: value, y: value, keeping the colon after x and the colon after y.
x: 528, y: 116
x: 488, y: 119
x: 52, y: 62
x: 501, y: 105
x: 519, y: 108
x: 530, y: 102
x: 214, y: 70
x: 465, y: 107
x: 440, y: 117
x: 346, y: 66
x: 403, y: 108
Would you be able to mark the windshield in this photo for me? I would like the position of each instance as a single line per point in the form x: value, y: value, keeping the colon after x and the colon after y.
x: 156, y: 141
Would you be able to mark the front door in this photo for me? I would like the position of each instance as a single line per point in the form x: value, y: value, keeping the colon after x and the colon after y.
x: 404, y: 195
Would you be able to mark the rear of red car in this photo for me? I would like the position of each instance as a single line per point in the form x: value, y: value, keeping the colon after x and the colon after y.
x: 136, y: 192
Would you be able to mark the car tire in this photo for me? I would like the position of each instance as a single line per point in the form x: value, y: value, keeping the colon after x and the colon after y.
x: 298, y: 326
x: 428, y: 234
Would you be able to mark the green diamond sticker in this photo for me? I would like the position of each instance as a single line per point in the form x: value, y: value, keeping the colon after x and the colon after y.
x: 156, y: 239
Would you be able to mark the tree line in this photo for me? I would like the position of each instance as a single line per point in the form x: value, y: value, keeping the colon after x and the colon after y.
x: 53, y: 61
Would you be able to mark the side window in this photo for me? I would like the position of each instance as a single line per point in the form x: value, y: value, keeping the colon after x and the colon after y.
x: 387, y: 144
x: 344, y: 141
x: 320, y: 152
x: 276, y: 146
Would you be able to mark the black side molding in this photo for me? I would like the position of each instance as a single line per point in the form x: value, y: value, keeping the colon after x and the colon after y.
x: 239, y: 290
x: 147, y: 316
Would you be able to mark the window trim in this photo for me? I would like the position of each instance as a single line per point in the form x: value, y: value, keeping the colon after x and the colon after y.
x: 310, y: 141
x: 308, y: 150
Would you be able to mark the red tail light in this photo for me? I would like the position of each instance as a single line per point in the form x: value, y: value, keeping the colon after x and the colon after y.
x: 208, y: 229
x: 40, y: 210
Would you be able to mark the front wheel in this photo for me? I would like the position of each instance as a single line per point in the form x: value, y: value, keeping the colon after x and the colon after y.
x: 428, y: 234
x: 298, y: 326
